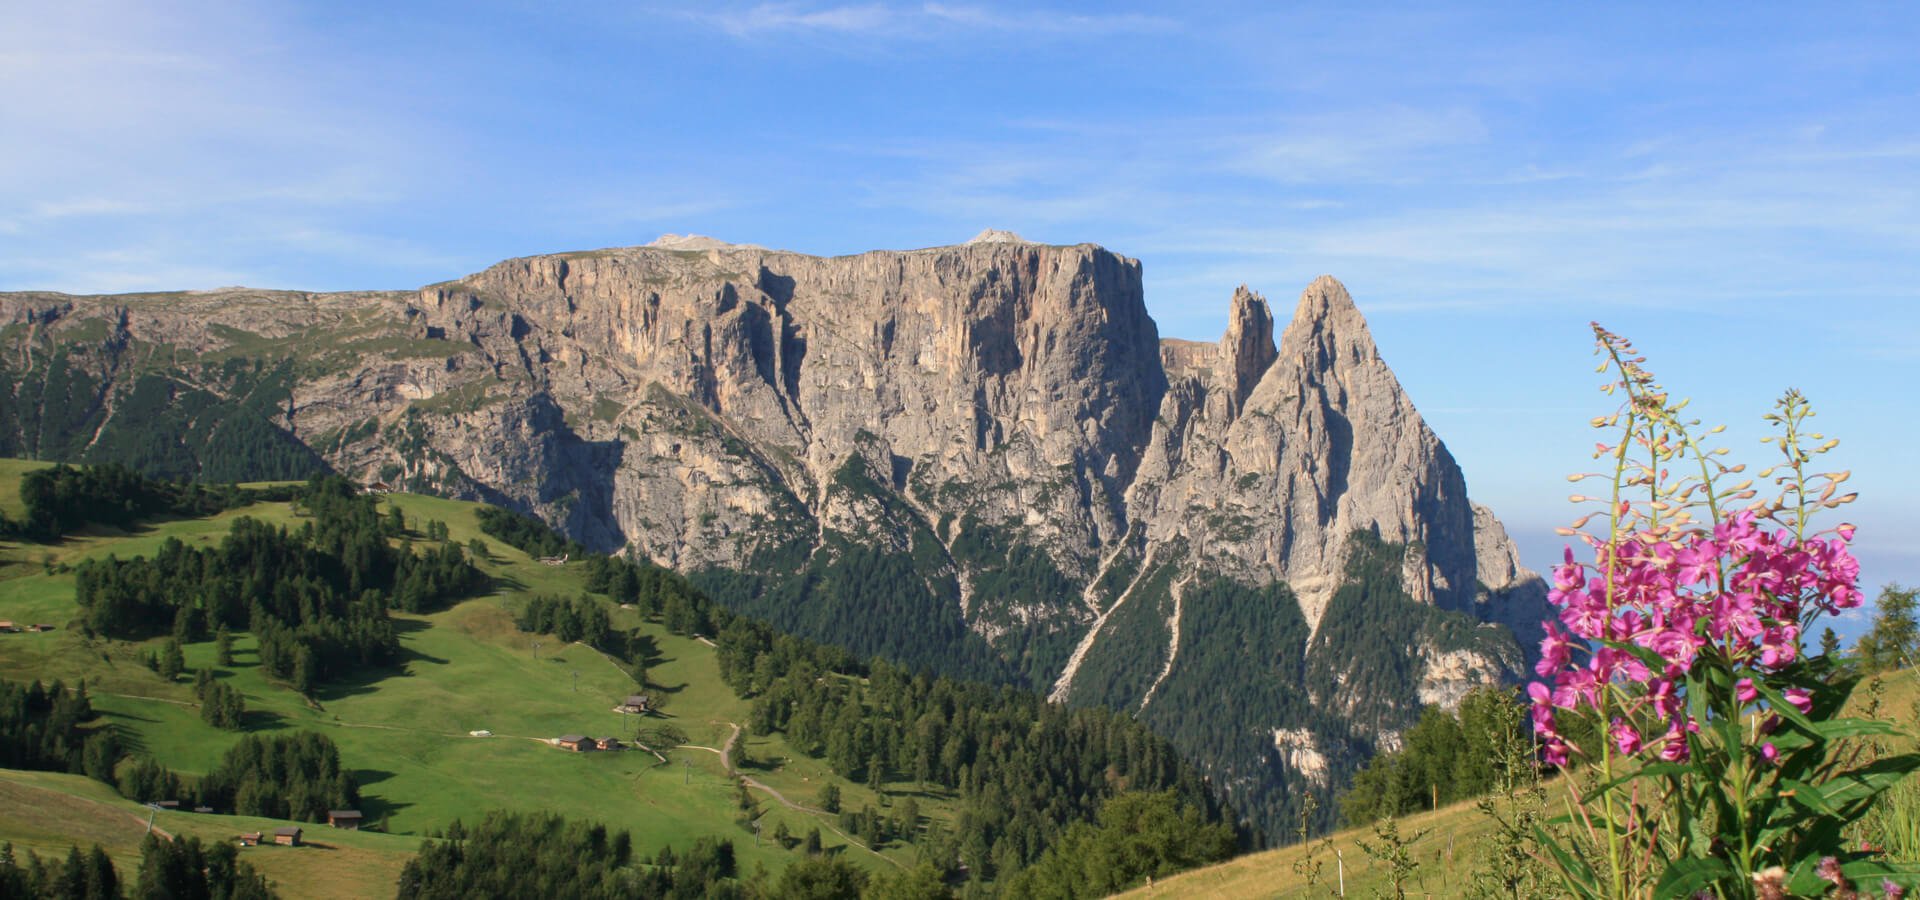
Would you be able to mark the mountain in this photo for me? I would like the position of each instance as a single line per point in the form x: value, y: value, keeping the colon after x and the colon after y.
x: 980, y: 458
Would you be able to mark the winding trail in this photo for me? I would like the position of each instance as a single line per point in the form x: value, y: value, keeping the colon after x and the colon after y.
x: 726, y: 762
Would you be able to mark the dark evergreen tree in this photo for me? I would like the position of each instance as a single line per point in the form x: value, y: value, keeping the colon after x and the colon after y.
x: 1894, y: 640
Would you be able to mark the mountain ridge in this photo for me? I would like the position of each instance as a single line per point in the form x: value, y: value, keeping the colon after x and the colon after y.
x: 981, y: 458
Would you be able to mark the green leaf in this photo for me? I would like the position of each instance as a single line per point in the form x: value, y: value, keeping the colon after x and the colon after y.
x: 1685, y: 877
x: 1867, y: 782
x: 1868, y: 867
x: 1573, y: 870
x: 1842, y: 728
x: 1805, y: 880
x: 1807, y: 795
x: 1777, y: 703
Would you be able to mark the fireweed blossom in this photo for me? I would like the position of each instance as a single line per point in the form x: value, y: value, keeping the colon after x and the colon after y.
x: 1672, y: 673
x: 1742, y: 594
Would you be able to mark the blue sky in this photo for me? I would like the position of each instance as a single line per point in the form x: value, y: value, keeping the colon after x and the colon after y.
x: 1735, y: 186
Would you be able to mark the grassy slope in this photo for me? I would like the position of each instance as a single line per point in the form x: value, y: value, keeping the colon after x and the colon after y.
x: 1460, y: 827
x: 46, y: 812
x: 405, y: 731
x: 1446, y: 854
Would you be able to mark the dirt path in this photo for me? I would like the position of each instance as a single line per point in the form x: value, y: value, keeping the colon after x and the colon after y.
x: 726, y: 762
x: 144, y: 697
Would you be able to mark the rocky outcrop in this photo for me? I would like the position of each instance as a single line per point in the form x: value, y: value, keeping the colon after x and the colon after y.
x: 1001, y: 418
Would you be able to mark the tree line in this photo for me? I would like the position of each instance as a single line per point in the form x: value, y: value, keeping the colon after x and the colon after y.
x: 1444, y: 758
x: 179, y: 869
x: 316, y: 598
x: 46, y: 727
x: 292, y: 776
x: 655, y: 591
x: 542, y: 854
x: 1023, y: 769
x: 62, y: 499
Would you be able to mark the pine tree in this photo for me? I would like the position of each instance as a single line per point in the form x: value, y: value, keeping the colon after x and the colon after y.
x: 102, y: 881
x: 1894, y: 641
x: 223, y: 646
x: 877, y: 776
x: 303, y: 673
x: 172, y: 660
x: 1829, y: 644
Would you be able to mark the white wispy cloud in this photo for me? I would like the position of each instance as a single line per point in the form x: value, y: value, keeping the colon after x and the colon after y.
x: 142, y: 124
x: 786, y: 17
x: 923, y: 22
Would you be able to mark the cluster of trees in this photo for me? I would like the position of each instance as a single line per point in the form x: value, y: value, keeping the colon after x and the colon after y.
x: 167, y: 662
x: 169, y: 869
x: 528, y: 534
x: 294, y: 776
x: 316, y: 599
x: 83, y: 877
x: 873, y: 600
x: 221, y: 705
x: 1446, y: 757
x: 207, y: 421
x: 1024, y: 769
x: 655, y: 591
x: 1137, y: 836
x: 44, y: 727
x: 62, y: 499
x: 545, y: 855
x: 146, y: 781
x: 569, y: 619
x: 185, y: 867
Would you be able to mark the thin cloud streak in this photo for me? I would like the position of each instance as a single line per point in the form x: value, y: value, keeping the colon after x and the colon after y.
x: 927, y: 22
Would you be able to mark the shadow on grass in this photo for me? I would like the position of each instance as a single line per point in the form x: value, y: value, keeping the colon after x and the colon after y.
x: 364, y: 777
x: 262, y: 720
x: 377, y: 809
x: 367, y: 679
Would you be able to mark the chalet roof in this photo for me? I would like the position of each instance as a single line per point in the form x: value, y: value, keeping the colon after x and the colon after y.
x: 572, y: 738
x: 344, y: 814
x: 288, y: 831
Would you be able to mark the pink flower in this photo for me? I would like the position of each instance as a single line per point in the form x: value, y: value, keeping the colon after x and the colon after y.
x: 1745, y: 690
x: 1891, y: 891
x: 1801, y: 698
x: 1769, y: 753
x: 1625, y: 739
x: 1556, y: 650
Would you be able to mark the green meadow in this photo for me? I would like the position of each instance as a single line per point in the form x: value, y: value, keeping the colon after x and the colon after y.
x: 407, y: 730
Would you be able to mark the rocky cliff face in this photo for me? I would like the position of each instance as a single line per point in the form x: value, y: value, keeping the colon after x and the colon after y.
x: 981, y: 457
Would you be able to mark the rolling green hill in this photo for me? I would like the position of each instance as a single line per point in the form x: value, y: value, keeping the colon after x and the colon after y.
x: 406, y: 731
x: 1449, y: 848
